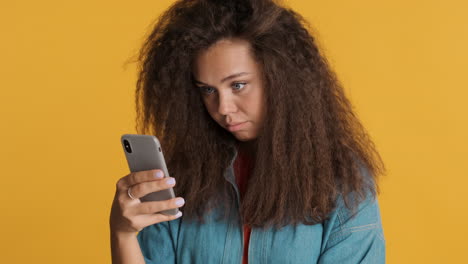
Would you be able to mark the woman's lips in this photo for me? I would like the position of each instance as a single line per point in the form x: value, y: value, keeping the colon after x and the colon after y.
x: 236, y: 127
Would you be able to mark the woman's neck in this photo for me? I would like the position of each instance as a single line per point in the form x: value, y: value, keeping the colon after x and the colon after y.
x: 248, y: 149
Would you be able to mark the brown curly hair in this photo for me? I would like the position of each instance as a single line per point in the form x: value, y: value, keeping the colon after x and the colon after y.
x: 312, y: 147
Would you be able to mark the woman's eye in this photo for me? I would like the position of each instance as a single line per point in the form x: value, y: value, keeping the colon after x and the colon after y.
x: 207, y: 90
x: 238, y: 86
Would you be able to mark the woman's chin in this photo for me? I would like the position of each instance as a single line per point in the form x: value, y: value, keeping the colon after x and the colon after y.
x: 243, y: 136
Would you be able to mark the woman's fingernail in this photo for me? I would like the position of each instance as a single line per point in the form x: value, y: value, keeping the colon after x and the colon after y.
x: 179, y: 201
x: 170, y: 181
x: 179, y: 214
x: 158, y: 175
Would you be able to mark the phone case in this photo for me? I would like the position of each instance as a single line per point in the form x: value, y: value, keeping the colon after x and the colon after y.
x: 146, y: 154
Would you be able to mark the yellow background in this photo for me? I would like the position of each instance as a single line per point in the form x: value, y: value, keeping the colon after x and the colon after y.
x: 66, y: 98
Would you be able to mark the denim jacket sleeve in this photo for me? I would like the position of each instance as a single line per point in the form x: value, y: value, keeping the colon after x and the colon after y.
x: 157, y: 244
x: 354, y: 238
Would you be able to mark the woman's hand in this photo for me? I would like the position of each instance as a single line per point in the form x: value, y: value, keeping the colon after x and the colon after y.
x: 131, y: 215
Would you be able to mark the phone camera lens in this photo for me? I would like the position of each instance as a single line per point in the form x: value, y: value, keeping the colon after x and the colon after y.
x: 127, y: 146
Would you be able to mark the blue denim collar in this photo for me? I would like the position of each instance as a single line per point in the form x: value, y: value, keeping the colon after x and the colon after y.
x: 229, y: 172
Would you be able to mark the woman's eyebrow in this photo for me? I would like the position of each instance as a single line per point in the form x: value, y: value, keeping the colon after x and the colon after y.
x: 235, y: 75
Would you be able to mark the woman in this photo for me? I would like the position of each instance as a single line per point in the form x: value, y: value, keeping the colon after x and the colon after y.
x: 265, y: 148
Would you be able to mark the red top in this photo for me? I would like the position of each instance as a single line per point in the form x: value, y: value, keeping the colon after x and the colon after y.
x: 242, y: 168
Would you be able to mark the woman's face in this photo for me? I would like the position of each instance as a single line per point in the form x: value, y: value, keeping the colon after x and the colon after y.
x: 231, y: 87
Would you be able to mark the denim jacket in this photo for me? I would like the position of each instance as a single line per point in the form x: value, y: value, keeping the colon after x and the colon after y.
x: 339, y: 239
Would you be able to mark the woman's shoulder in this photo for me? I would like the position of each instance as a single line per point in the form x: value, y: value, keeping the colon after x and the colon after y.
x: 354, y: 236
x: 347, y: 224
x: 362, y: 205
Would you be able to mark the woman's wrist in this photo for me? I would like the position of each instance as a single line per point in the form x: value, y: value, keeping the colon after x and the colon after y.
x: 119, y: 235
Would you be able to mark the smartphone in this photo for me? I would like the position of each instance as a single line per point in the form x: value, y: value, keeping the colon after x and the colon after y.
x: 143, y: 152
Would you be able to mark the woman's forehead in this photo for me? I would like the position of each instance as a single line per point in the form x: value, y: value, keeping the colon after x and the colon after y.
x: 224, y: 59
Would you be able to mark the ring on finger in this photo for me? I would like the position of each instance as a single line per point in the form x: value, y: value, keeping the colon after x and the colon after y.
x: 129, y: 192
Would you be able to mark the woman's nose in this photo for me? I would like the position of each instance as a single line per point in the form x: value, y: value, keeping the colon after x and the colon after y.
x: 226, y: 104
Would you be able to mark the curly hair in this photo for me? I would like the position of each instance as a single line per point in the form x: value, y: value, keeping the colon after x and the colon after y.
x: 312, y: 146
